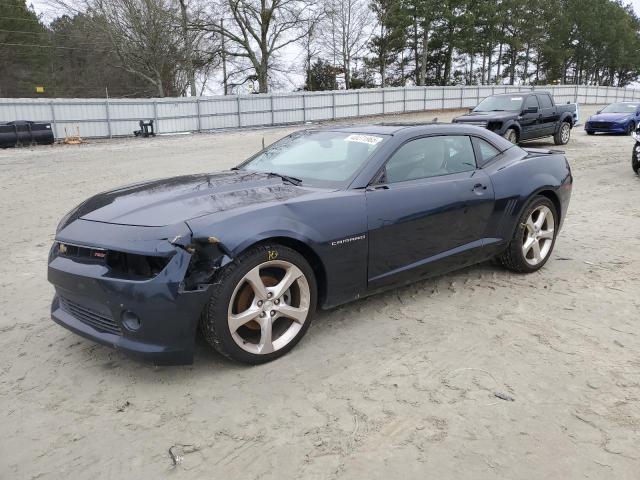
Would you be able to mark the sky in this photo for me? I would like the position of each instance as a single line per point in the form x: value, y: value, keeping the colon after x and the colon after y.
x: 48, y: 9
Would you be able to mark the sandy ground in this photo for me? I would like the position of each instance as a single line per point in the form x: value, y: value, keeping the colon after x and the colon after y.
x: 400, y: 385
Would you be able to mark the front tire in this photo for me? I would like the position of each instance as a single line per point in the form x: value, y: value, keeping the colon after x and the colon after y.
x: 589, y: 132
x: 563, y: 135
x: 534, y: 238
x: 261, y: 305
x: 635, y: 158
x: 512, y: 135
x: 631, y: 128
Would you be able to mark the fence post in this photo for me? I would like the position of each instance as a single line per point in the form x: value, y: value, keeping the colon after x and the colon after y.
x: 404, y: 99
x: 384, y: 98
x: 477, y: 95
x: 155, y: 115
x: 461, y: 94
x: 597, y: 91
x: 108, y: 117
x: 198, y: 113
x: 424, y: 100
x: 575, y: 94
x: 239, y: 111
x: 53, y: 119
x: 304, y: 108
x: 271, y: 108
x: 358, y: 102
x: 443, y: 90
x: 333, y: 104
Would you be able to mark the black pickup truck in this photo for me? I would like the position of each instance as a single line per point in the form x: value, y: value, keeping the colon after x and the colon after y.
x: 524, y: 116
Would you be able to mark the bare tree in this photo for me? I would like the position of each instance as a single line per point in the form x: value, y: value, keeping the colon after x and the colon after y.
x: 256, y: 30
x: 349, y: 24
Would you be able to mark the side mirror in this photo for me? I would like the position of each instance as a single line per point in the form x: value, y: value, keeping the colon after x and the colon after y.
x: 471, y: 109
x: 599, y: 112
x: 531, y: 110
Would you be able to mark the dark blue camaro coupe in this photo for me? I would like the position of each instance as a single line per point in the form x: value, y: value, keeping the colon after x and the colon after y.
x: 621, y: 117
x: 319, y: 218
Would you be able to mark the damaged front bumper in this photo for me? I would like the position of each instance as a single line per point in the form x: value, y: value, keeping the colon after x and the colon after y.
x: 151, y: 315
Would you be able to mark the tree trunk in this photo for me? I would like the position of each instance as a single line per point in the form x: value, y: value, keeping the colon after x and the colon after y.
x: 499, y: 63
x: 347, y: 73
x: 489, y: 64
x: 263, y: 78
x: 191, y: 76
x: 159, y: 85
x: 425, y: 51
x: 526, y: 64
x: 415, y: 49
x: 383, y: 54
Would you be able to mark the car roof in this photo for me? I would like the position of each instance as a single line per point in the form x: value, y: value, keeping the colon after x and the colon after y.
x: 511, y: 94
x: 407, y: 130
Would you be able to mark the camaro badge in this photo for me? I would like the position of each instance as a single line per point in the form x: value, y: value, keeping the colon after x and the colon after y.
x: 335, y: 243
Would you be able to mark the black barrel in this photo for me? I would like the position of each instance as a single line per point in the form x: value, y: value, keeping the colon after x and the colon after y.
x: 24, y: 132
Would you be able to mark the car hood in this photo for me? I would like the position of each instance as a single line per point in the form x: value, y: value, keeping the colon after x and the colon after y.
x: 168, y: 201
x: 485, y: 116
x: 609, y: 117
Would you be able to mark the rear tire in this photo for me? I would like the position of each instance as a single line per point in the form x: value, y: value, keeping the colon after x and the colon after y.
x: 635, y: 160
x: 563, y: 135
x: 534, y: 238
x: 589, y: 132
x: 261, y: 304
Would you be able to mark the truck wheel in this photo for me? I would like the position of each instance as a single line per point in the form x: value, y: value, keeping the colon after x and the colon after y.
x: 635, y: 161
x: 563, y: 134
x: 589, y: 132
x: 511, y: 135
x: 261, y: 304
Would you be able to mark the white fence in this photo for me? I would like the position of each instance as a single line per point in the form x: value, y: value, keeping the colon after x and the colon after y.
x: 117, y: 117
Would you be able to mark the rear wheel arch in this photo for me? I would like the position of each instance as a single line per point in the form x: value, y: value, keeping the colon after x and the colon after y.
x: 553, y: 196
x: 544, y: 192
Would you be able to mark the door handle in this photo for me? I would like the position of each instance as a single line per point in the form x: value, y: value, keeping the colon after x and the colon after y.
x: 479, y: 186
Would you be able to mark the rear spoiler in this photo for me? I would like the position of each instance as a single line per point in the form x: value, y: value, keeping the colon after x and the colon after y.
x: 543, y: 151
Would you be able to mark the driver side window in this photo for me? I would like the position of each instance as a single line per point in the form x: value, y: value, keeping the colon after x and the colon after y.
x: 430, y: 157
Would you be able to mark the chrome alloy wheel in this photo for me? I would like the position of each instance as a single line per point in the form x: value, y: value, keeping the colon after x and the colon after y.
x: 565, y: 132
x: 538, y: 235
x: 268, y: 307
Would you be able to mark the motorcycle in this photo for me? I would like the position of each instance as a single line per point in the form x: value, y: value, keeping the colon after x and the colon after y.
x: 635, y: 156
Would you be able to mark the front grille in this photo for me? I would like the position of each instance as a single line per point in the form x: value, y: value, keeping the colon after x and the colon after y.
x: 88, y: 316
x: 600, y: 124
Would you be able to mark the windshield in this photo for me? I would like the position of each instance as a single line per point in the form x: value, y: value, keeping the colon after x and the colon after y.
x: 323, y: 159
x: 500, y: 103
x: 620, y: 108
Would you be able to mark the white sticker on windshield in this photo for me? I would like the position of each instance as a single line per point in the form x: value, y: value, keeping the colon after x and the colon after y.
x: 368, y: 139
x: 513, y: 99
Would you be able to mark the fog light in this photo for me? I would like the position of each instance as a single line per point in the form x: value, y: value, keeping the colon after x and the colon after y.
x: 131, y: 321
